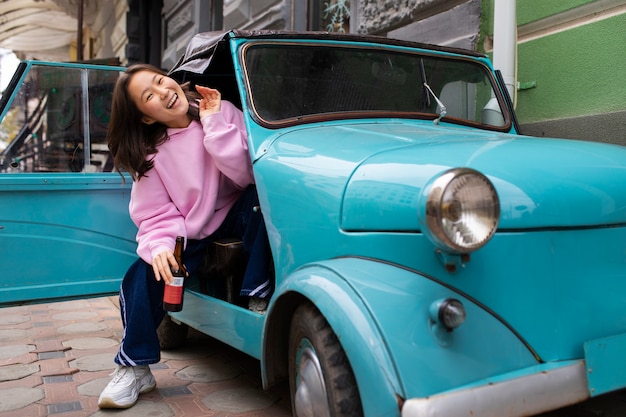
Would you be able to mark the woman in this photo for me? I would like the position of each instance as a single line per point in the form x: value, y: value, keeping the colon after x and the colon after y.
x: 188, y: 156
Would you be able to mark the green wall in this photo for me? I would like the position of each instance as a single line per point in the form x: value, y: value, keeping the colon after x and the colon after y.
x: 532, y: 10
x: 577, y: 72
x: 581, y: 71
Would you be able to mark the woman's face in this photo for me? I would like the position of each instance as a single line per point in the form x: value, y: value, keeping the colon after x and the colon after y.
x: 159, y: 98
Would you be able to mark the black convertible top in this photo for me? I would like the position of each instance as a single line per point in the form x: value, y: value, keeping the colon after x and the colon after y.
x: 202, y: 47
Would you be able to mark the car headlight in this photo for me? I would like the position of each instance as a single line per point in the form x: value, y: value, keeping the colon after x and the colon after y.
x: 449, y: 313
x: 461, y: 212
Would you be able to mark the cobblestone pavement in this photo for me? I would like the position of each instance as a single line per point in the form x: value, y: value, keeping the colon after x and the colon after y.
x: 56, y: 358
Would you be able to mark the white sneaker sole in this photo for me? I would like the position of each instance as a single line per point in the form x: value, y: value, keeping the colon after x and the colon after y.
x: 107, y: 402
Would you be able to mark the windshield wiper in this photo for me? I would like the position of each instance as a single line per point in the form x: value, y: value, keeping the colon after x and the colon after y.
x: 428, y: 90
x: 441, y: 105
x: 425, y: 93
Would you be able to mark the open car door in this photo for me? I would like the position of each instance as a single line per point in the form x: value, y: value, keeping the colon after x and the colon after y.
x: 64, y: 226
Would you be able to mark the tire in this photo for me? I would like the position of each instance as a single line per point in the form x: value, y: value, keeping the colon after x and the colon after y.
x: 171, y: 335
x: 321, y: 380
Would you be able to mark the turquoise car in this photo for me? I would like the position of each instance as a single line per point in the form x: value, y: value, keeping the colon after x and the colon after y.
x: 429, y: 259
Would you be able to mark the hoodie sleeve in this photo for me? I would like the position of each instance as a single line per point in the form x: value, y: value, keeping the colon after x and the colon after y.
x: 225, y: 139
x: 157, y: 218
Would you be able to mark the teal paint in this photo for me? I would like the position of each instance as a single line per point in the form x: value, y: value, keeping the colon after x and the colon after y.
x: 606, y: 363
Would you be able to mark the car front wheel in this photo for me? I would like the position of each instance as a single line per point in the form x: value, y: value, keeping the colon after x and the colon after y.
x: 321, y: 380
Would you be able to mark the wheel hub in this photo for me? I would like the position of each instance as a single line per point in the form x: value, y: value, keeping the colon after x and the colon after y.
x: 310, y: 398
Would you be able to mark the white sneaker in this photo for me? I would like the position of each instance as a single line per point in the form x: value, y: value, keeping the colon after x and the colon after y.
x: 124, y: 389
x: 258, y: 305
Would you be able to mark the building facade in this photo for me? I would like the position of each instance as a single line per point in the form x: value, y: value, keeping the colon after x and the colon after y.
x: 571, y: 68
x: 570, y: 56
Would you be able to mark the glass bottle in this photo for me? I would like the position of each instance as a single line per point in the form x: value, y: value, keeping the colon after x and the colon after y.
x: 173, y: 294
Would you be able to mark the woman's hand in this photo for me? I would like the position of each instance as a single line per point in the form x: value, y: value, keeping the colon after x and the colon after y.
x: 162, y: 265
x: 211, y: 101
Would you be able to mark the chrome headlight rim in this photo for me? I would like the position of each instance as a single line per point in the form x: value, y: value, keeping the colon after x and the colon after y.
x: 437, y: 210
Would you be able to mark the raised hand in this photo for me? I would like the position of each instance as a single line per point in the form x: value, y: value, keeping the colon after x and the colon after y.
x: 211, y: 101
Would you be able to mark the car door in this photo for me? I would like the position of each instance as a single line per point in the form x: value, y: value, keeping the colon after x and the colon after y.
x: 64, y: 225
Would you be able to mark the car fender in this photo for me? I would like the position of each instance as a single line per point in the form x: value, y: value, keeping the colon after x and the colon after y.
x: 324, y: 285
x: 381, y: 313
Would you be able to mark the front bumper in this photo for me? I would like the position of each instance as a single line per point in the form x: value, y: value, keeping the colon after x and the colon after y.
x: 535, y: 390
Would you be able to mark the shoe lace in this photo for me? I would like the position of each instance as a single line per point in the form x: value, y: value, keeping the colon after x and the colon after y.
x: 119, y: 373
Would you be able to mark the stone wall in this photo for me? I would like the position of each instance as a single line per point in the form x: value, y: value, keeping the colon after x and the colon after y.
x: 184, y: 18
x: 181, y: 20
x: 257, y: 14
x: 441, y: 22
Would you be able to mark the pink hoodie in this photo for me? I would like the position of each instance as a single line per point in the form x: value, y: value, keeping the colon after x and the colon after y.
x: 198, y: 175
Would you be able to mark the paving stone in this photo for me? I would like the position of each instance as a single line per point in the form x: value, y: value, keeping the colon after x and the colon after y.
x: 50, y: 345
x: 94, y: 387
x: 57, y: 379
x: 70, y: 305
x: 87, y: 327
x: 193, y: 351
x: 16, y: 398
x: 64, y: 407
x: 16, y: 310
x: 92, y: 363
x: 15, y: 350
x: 75, y: 315
x: 174, y: 391
x: 17, y: 371
x: 51, y: 355
x: 7, y: 320
x: 238, y: 400
x: 12, y: 334
x: 43, y: 324
x: 142, y: 408
x: 56, y: 367
x: 86, y: 343
x: 211, y: 371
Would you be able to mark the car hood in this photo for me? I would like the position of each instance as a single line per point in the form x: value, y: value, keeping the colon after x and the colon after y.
x: 542, y: 183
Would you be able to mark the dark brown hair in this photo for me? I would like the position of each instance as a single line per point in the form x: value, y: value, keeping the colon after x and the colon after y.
x: 130, y: 140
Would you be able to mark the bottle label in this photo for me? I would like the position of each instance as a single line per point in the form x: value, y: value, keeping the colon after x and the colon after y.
x: 174, y: 291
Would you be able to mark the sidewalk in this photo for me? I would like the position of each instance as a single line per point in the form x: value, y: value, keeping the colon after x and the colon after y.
x: 56, y: 358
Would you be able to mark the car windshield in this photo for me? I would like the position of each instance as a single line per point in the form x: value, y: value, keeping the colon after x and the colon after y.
x: 294, y: 82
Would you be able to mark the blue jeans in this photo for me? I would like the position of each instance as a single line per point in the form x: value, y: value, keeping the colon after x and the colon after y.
x: 141, y: 295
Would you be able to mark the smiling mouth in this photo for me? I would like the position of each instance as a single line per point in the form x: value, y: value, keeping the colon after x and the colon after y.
x: 172, y: 101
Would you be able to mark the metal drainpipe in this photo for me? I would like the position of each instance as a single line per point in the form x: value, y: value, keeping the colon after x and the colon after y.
x: 79, y: 34
x: 505, y: 43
